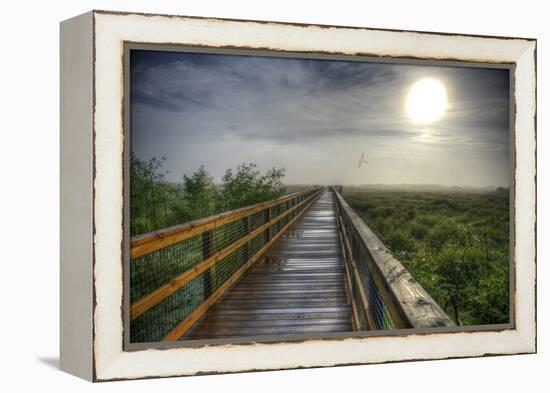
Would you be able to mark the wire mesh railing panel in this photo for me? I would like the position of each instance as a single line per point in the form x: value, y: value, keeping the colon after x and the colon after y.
x: 257, y: 220
x: 361, y: 313
x: 152, y: 270
x: 157, y: 322
x: 228, y: 234
x: 374, y: 311
x: 230, y: 264
x: 378, y: 309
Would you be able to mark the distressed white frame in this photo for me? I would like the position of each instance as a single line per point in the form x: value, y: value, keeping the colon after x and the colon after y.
x: 111, y: 30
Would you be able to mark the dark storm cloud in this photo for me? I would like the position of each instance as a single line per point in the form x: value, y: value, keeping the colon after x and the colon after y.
x: 301, y: 111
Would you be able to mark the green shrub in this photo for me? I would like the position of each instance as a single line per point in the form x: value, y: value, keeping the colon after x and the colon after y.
x: 156, y: 203
x: 418, y: 230
x: 427, y: 220
x: 399, y: 241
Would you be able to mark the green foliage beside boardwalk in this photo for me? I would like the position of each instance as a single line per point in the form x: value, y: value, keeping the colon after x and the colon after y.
x: 156, y: 203
x: 455, y: 244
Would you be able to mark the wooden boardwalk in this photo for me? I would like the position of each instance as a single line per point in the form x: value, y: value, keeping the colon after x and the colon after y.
x: 299, y: 285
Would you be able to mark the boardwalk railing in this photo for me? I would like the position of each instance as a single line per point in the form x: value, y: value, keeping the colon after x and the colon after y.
x: 177, y: 273
x: 384, y: 295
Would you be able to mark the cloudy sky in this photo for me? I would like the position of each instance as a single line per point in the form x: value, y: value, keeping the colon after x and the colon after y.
x: 316, y: 117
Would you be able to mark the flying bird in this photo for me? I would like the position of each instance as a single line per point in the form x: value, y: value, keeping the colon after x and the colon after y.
x: 361, y: 160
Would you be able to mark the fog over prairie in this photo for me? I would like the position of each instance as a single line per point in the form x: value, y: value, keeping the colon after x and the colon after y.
x: 316, y: 117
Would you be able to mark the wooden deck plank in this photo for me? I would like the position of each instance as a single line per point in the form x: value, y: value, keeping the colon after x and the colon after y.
x: 272, y: 330
x: 280, y: 303
x: 298, y: 287
x: 279, y: 316
x: 278, y: 322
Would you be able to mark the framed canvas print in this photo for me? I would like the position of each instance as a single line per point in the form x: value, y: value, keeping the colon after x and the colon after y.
x: 246, y: 195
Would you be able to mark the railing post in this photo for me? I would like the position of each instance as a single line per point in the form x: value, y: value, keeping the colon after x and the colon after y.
x: 246, y: 227
x: 267, y: 213
x: 209, y: 280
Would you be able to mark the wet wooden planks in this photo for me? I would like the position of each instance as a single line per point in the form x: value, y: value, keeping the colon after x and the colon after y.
x: 298, y: 287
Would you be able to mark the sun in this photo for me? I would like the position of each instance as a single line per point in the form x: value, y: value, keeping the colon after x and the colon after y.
x: 427, y: 101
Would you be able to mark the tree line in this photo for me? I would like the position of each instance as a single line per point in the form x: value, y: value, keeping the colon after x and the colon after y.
x: 157, y: 203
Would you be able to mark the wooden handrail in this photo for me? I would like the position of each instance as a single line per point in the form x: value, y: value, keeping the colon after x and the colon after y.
x: 408, y: 303
x: 152, y: 241
x: 150, y: 300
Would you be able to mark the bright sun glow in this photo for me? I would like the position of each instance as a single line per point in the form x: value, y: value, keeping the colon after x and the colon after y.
x: 427, y: 101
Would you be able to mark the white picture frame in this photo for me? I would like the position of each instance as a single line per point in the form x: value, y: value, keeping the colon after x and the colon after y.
x: 92, y: 195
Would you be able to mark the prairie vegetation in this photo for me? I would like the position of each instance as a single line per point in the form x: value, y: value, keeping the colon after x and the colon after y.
x: 456, y: 245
